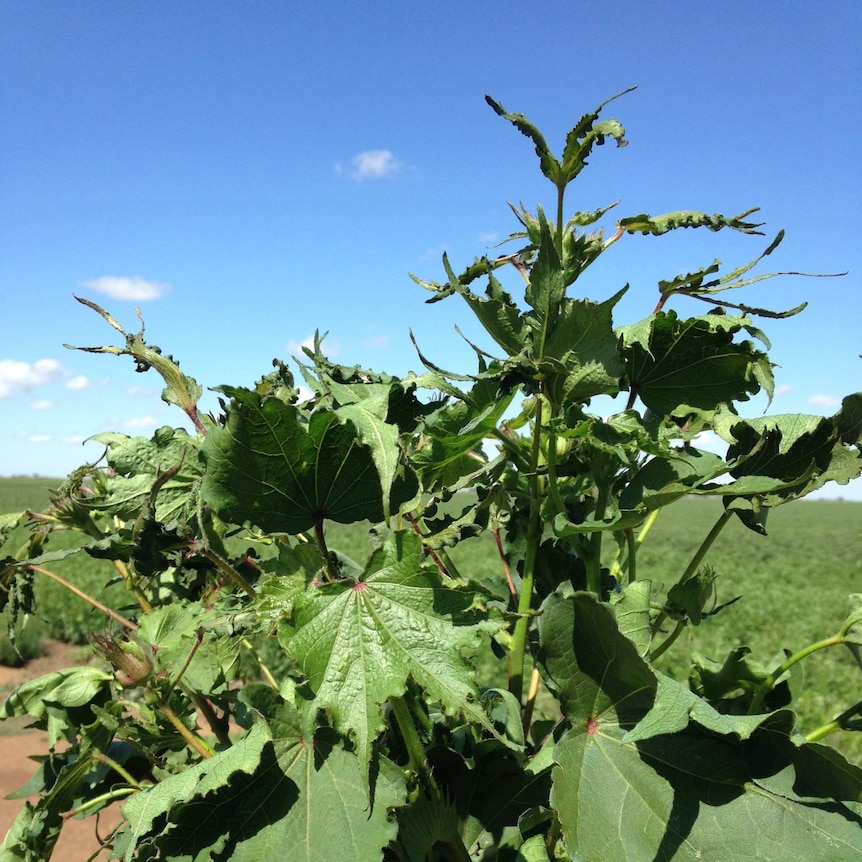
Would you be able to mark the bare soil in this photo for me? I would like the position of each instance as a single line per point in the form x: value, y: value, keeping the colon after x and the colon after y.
x: 78, y: 840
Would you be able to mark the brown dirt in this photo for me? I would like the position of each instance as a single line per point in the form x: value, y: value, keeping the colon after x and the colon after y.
x: 78, y: 841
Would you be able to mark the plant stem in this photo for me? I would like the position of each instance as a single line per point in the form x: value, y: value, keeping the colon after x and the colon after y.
x: 504, y: 561
x: 134, y: 589
x: 533, y: 691
x: 263, y: 668
x: 767, y: 684
x: 668, y: 641
x: 191, y: 739
x: 331, y: 572
x: 836, y: 723
x: 227, y: 569
x: 415, y: 749
x: 594, y: 560
x: 87, y: 598
x: 534, y: 536
x: 706, y: 544
x: 120, y: 770
x: 110, y: 796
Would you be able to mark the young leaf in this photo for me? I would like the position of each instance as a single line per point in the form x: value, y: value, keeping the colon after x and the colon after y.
x: 264, y: 467
x: 359, y: 642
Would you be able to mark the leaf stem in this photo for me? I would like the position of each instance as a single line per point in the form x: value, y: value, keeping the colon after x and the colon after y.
x: 415, y: 749
x: 195, y: 742
x: 85, y: 596
x: 668, y: 641
x: 332, y: 573
x: 534, y: 535
x: 706, y: 544
x: 838, y: 723
x: 227, y: 569
x: 767, y: 684
x: 594, y: 559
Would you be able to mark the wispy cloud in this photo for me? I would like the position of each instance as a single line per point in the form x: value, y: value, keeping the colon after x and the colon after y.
x: 376, y: 341
x: 783, y: 390
x: 141, y: 422
x: 80, y: 382
x: 372, y: 165
x: 330, y: 347
x: 134, y: 288
x: 42, y: 405
x: 17, y: 377
x: 824, y: 401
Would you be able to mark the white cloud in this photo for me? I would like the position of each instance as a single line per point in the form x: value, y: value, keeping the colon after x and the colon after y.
x: 824, y: 401
x: 783, y: 390
x: 141, y: 422
x: 39, y: 438
x: 132, y: 288
x: 330, y: 347
x: 18, y: 376
x: 372, y: 165
x: 376, y: 341
x: 80, y: 382
x: 42, y: 405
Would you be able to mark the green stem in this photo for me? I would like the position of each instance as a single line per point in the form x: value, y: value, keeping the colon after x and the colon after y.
x: 706, y: 544
x: 668, y: 641
x: 767, y: 684
x: 534, y: 536
x: 227, y: 569
x: 195, y: 742
x: 836, y: 723
x: 415, y: 749
x: 96, y: 801
x: 120, y: 770
x: 632, y: 545
x: 648, y: 525
x: 87, y: 598
x: 267, y: 674
x: 331, y: 572
x: 594, y: 560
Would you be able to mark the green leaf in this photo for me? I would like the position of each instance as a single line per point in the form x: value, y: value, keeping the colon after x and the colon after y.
x: 274, y: 788
x: 136, y: 463
x: 584, y: 350
x: 359, y: 642
x: 545, y: 290
x: 588, y: 133
x: 59, y: 700
x: 802, y: 453
x: 266, y: 468
x: 549, y: 165
x: 680, y: 792
x: 450, y: 447
x: 658, y: 225
x: 678, y: 367
x: 668, y: 477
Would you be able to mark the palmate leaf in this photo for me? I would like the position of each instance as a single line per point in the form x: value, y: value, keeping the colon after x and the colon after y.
x: 681, y: 366
x: 359, y: 641
x: 650, y: 772
x: 137, y: 463
x: 584, y: 343
x: 267, y: 468
x: 800, y: 453
x: 275, y: 788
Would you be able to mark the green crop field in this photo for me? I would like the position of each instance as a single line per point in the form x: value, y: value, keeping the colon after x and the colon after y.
x: 812, y: 555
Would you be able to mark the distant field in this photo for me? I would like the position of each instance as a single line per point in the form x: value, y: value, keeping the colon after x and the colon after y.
x: 795, y: 584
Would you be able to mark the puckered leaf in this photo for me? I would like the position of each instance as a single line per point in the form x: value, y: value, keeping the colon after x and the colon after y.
x: 650, y: 771
x: 584, y: 350
x: 265, y: 467
x: 275, y: 788
x: 360, y: 641
x: 137, y: 463
x: 678, y: 367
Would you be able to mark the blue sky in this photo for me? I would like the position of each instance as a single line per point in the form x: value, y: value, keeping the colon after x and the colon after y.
x: 246, y: 173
